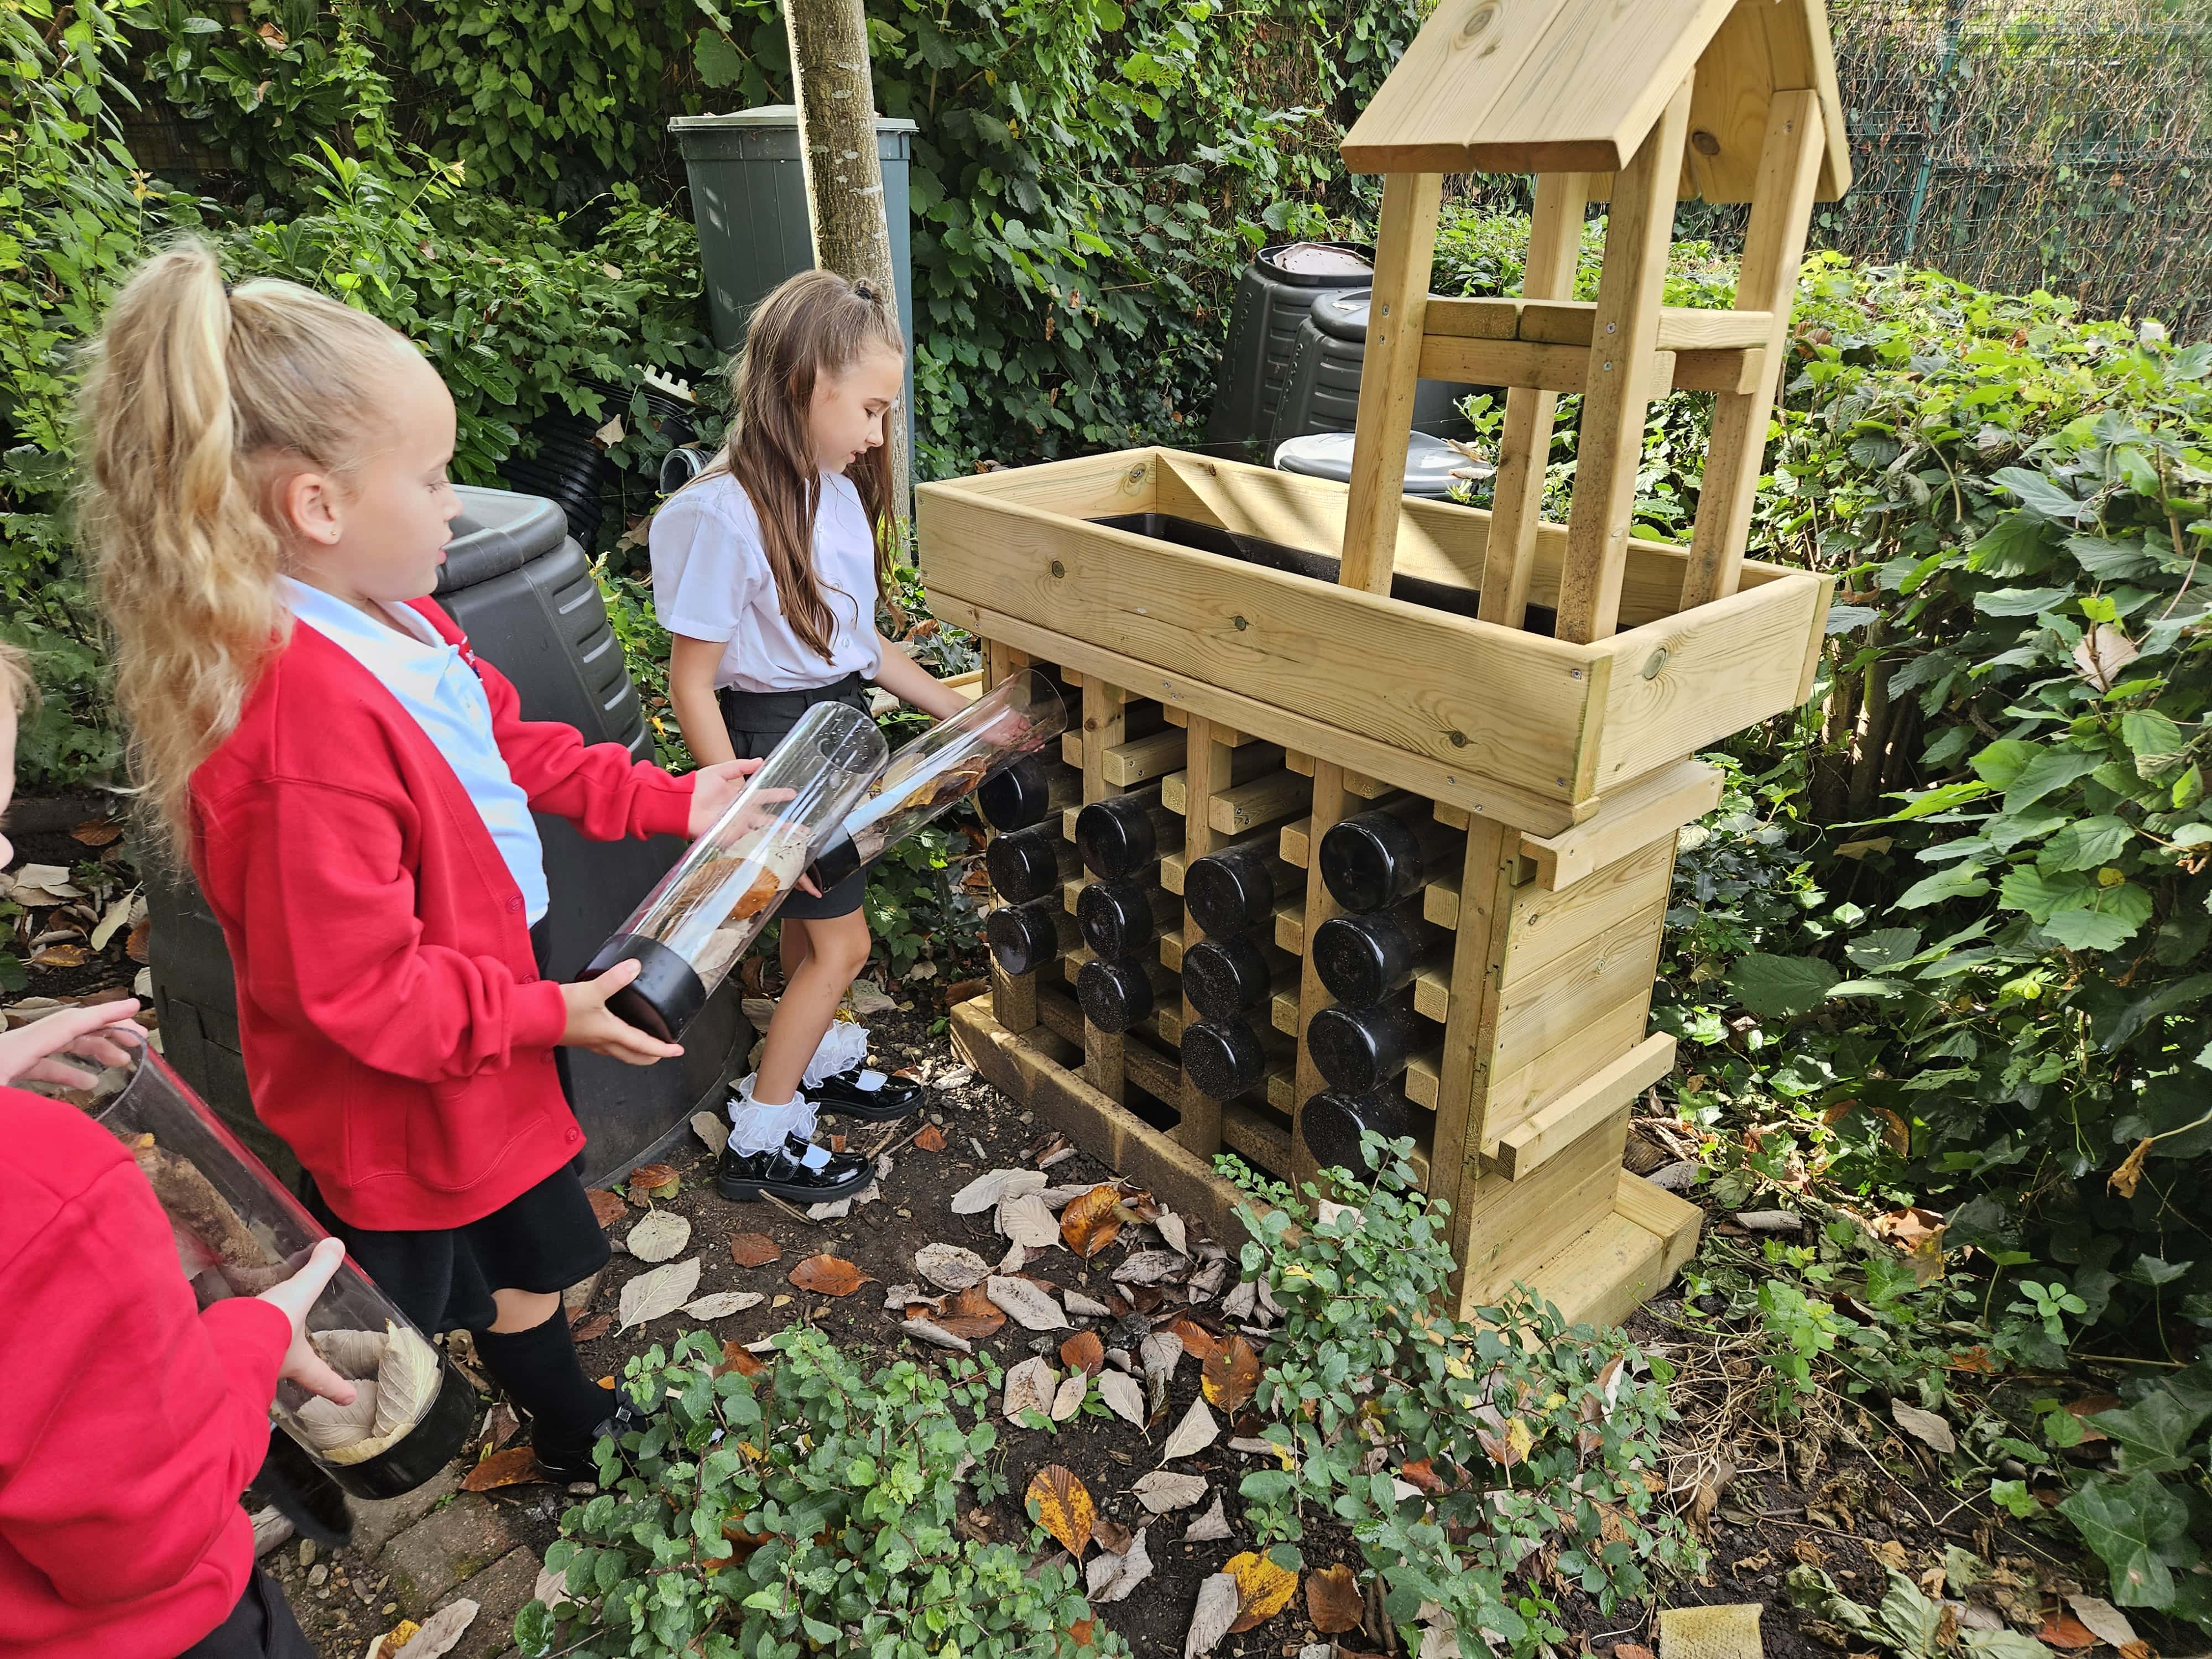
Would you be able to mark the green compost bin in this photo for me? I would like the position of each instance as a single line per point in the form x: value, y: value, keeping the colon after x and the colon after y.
x: 749, y: 201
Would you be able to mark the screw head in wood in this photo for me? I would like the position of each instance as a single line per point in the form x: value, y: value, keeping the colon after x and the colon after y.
x: 1241, y: 623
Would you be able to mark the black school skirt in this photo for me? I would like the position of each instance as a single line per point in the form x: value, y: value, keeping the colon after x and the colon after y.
x: 542, y: 1241
x: 757, y: 721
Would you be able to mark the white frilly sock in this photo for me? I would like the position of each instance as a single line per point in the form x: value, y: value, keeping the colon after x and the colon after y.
x: 755, y: 1127
x: 843, y: 1046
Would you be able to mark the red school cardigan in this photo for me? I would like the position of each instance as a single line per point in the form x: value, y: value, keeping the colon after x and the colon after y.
x: 396, y: 1033
x: 129, y: 1422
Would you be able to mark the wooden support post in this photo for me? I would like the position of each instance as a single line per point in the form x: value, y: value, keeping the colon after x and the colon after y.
x: 1209, y: 771
x: 1486, y: 912
x: 1405, y: 246
x: 1014, y: 996
x: 1330, y: 802
x: 1105, y: 723
x: 1615, y: 406
x: 1774, y: 249
x: 1524, y: 446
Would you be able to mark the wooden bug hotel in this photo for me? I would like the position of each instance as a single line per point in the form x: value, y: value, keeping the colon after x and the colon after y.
x: 1371, y: 814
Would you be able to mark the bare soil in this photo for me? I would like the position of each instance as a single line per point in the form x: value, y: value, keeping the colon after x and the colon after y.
x: 1848, y: 1501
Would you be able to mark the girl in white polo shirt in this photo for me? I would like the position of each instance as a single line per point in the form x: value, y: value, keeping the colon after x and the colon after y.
x: 768, y: 568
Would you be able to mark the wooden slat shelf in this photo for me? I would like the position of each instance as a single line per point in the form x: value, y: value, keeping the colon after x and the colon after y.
x: 1572, y: 322
x: 1273, y: 699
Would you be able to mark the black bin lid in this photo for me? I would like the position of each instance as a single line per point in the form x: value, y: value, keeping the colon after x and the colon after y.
x: 1319, y: 265
x: 498, y: 530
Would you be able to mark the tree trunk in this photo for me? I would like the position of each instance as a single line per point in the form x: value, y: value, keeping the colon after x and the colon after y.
x: 837, y: 102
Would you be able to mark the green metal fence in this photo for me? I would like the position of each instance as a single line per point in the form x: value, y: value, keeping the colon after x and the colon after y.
x: 2064, y: 145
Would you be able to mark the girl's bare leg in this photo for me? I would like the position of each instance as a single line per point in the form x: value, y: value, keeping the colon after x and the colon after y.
x: 835, y: 951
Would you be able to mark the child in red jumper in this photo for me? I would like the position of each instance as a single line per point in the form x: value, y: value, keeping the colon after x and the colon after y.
x: 269, y: 508
x: 130, y: 1421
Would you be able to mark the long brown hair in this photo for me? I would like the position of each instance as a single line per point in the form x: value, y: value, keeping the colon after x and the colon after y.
x: 193, y: 388
x: 815, y: 324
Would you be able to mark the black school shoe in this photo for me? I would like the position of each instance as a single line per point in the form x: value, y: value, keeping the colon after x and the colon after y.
x: 578, y: 1467
x: 784, y: 1172
x: 894, y: 1096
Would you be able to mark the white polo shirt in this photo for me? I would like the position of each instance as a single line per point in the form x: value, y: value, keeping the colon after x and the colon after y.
x: 711, y: 581
x: 447, y: 701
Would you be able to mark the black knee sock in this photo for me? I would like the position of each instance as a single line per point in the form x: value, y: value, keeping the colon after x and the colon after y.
x: 541, y: 1373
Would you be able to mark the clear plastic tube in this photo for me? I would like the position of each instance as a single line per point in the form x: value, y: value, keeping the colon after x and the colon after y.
x: 947, y: 764
x: 237, y: 1231
x: 705, y: 914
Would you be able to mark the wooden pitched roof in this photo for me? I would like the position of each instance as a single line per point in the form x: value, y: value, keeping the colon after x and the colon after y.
x: 1573, y: 86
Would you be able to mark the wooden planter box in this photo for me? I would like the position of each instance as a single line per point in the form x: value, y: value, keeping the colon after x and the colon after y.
x: 1564, y: 764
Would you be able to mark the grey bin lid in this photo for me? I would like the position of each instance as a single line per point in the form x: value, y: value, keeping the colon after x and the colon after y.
x: 1343, y: 315
x: 1320, y: 263
x: 498, y: 530
x: 1429, y: 461
x: 770, y: 132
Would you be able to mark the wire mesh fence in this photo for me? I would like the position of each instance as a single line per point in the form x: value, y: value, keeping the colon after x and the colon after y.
x: 2014, y: 145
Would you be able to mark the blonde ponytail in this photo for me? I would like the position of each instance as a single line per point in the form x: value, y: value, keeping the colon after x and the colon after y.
x: 193, y: 387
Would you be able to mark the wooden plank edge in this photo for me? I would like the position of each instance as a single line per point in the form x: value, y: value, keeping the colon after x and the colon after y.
x: 1529, y: 1145
x: 1628, y: 819
x: 1422, y: 774
x: 1117, y: 1136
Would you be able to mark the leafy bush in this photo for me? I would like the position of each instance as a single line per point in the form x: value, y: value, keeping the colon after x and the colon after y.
x: 1455, y: 1453
x: 1984, y: 958
x: 78, y: 216
x: 808, y: 1508
x: 2139, y: 1517
x: 515, y: 315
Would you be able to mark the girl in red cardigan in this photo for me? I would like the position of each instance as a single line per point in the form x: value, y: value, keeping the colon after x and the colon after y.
x: 130, y: 1421
x: 269, y: 506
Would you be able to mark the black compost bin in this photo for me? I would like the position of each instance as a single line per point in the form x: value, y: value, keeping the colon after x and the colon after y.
x: 518, y: 584
x: 1273, y: 296
x: 1322, y: 392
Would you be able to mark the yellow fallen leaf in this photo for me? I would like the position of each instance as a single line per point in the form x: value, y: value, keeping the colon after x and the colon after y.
x: 1061, y: 1504
x: 1263, y: 1589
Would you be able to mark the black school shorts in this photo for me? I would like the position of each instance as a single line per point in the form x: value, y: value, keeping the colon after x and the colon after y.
x: 443, y: 1279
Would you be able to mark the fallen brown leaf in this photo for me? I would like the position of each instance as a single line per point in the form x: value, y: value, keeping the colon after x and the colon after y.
x: 517, y: 1466
x: 737, y: 1358
x: 1110, y: 1535
x: 1333, y: 1600
x: 1061, y: 1504
x: 62, y: 956
x: 2063, y: 1630
x: 135, y: 944
x: 607, y: 1207
x: 1890, y: 1554
x: 972, y: 1315
x: 1084, y: 1352
x: 1087, y: 1224
x: 931, y: 1140
x: 1197, y: 1342
x: 959, y: 991
x: 97, y: 832
x: 1630, y: 1650
x: 1229, y: 1374
x: 754, y: 1249
x: 829, y: 1275
x: 1422, y: 1472
x: 593, y: 1328
x: 1263, y: 1589
x: 650, y: 1181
